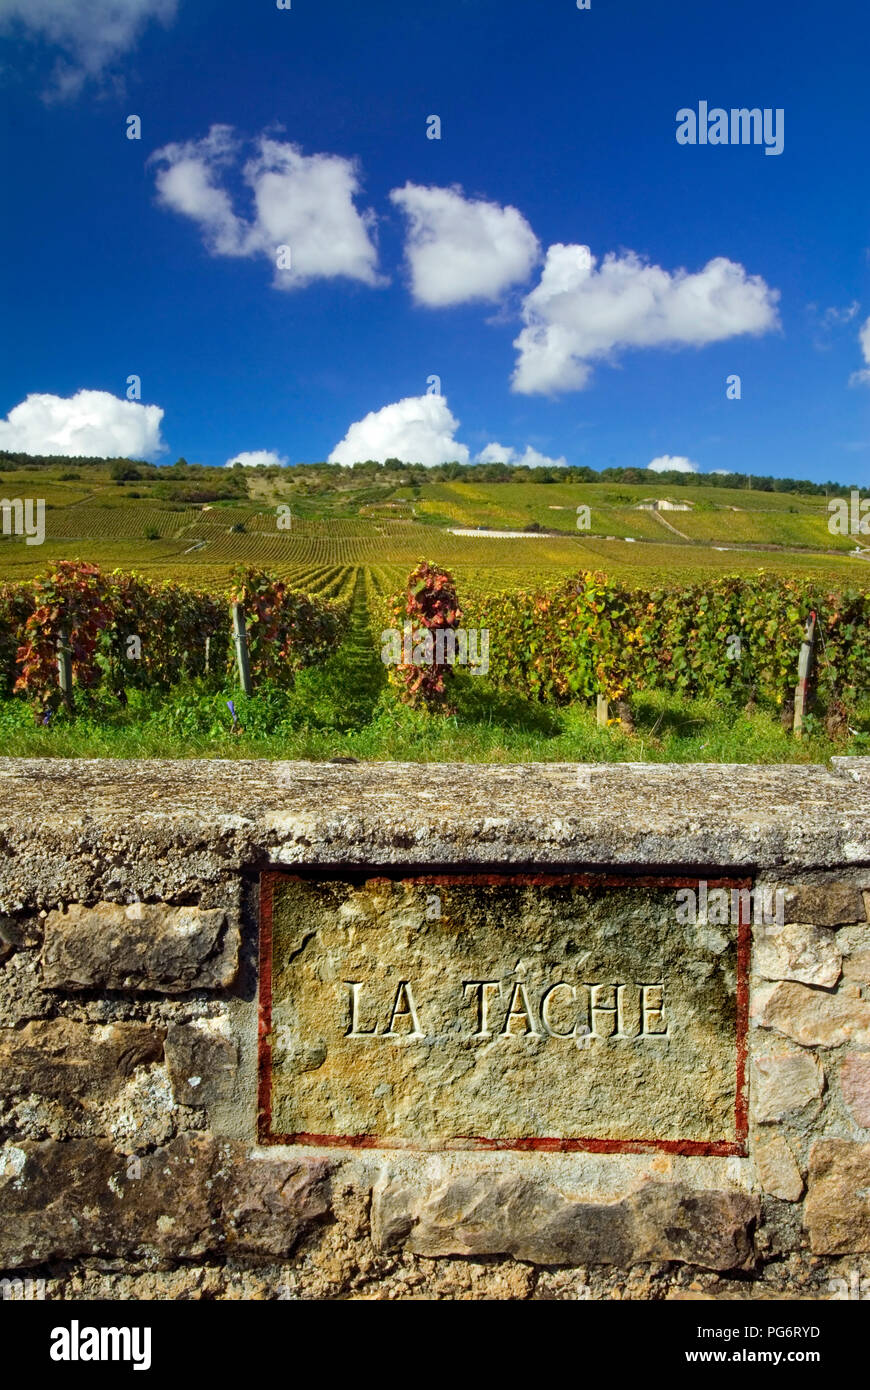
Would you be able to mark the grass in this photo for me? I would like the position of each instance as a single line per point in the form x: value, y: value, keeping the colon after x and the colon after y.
x: 344, y: 709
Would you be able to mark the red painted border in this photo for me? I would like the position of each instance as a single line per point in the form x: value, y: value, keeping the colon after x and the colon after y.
x: 264, y: 1020
x: 687, y: 1147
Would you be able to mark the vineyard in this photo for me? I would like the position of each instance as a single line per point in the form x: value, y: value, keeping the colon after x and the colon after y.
x: 317, y: 535
x: 134, y: 580
x: 734, y: 639
x: 206, y: 555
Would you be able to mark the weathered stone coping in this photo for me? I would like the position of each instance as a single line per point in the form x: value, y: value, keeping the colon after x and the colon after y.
x: 73, y: 830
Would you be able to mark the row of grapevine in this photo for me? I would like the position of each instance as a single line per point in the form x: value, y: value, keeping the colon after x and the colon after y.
x: 734, y: 636
x: 111, y: 523
x: 123, y: 631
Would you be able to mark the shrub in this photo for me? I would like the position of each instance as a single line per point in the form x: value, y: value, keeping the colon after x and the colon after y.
x: 286, y: 629
x: 69, y: 603
x: 16, y: 606
x: 428, y: 603
x: 592, y: 635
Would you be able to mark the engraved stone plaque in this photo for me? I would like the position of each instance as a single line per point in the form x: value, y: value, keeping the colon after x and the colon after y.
x: 513, y: 1011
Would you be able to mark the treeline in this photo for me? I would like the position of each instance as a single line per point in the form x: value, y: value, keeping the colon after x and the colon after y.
x: 226, y: 483
x: 180, y: 482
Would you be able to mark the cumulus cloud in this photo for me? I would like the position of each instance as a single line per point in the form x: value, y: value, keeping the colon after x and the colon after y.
x: 529, y: 458
x: 302, y: 216
x: 91, y: 34
x: 461, y: 249
x: 418, y: 429
x: 581, y: 313
x: 863, y: 377
x: 673, y: 463
x: 422, y: 429
x: 258, y: 458
x: 90, y: 423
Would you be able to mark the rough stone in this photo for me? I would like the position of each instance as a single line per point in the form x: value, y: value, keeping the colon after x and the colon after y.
x: 813, y: 1017
x: 202, y: 1062
x: 856, y: 966
x: 67, y: 1078
x: 143, y: 946
x: 479, y: 1214
x: 799, y: 952
x: 122, y: 1209
x: 855, y: 1085
x: 778, y: 1172
x: 837, y: 1207
x: 825, y: 904
x: 59, y: 1057
x: 195, y: 1196
x: 785, y: 1082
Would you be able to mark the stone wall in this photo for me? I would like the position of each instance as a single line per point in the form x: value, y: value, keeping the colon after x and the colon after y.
x: 133, y: 1161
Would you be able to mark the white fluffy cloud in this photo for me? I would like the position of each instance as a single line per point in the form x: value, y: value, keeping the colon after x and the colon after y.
x: 90, y: 423
x: 461, y: 249
x: 673, y: 463
x: 422, y: 429
x: 419, y: 429
x: 863, y: 377
x: 303, y: 218
x: 529, y: 458
x: 92, y: 34
x: 257, y: 458
x: 581, y: 312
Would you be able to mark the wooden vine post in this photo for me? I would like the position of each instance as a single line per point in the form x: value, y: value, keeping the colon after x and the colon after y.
x: 240, y: 638
x: 601, y: 711
x: 64, y: 671
x: 804, y: 665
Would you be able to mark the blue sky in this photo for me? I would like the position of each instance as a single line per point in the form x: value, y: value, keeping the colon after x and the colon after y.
x: 558, y: 130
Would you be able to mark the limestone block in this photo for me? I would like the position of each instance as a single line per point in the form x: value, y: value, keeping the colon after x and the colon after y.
x: 784, y: 1082
x: 192, y: 1197
x: 143, y: 946
x: 813, y: 1017
x: 799, y: 952
x: 778, y: 1172
x: 480, y: 1214
x: 855, y: 1085
x: 202, y: 1062
x: 825, y: 904
x: 837, y: 1207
